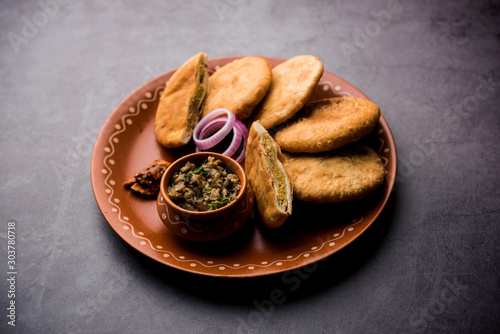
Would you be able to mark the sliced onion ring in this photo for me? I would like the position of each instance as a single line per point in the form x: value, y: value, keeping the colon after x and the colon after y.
x: 244, y: 133
x: 217, y: 128
x: 235, y: 143
x: 238, y: 134
x: 217, y: 137
x: 214, y: 124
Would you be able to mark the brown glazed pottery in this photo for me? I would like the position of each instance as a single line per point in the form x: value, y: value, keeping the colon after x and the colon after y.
x: 205, y: 225
x: 127, y: 142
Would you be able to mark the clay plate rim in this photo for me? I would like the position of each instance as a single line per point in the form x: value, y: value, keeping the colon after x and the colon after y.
x: 112, y: 212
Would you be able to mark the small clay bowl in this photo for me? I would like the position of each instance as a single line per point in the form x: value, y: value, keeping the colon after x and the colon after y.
x: 205, y: 225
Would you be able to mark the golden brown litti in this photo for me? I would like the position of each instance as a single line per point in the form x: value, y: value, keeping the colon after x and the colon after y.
x: 345, y: 174
x: 327, y: 124
x: 292, y: 85
x: 267, y: 177
x: 238, y: 86
x: 179, y: 107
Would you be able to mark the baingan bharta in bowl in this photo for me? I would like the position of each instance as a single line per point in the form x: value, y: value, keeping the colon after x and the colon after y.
x: 187, y: 205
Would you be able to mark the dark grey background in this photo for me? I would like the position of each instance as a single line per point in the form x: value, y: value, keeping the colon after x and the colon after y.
x: 429, y: 264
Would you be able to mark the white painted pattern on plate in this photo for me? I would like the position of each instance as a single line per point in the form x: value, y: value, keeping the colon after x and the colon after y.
x: 142, y: 106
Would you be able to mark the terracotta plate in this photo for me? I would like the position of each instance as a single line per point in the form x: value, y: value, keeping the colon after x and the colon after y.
x: 127, y: 143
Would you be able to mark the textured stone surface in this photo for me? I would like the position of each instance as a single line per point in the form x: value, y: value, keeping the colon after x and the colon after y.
x: 429, y: 264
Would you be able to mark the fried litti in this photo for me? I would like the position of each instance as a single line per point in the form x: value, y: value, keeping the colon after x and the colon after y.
x: 327, y: 124
x: 238, y: 86
x: 267, y: 177
x: 179, y: 107
x: 345, y: 174
x: 293, y: 82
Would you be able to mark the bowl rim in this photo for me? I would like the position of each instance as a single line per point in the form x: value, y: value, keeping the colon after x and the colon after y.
x: 182, y: 160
